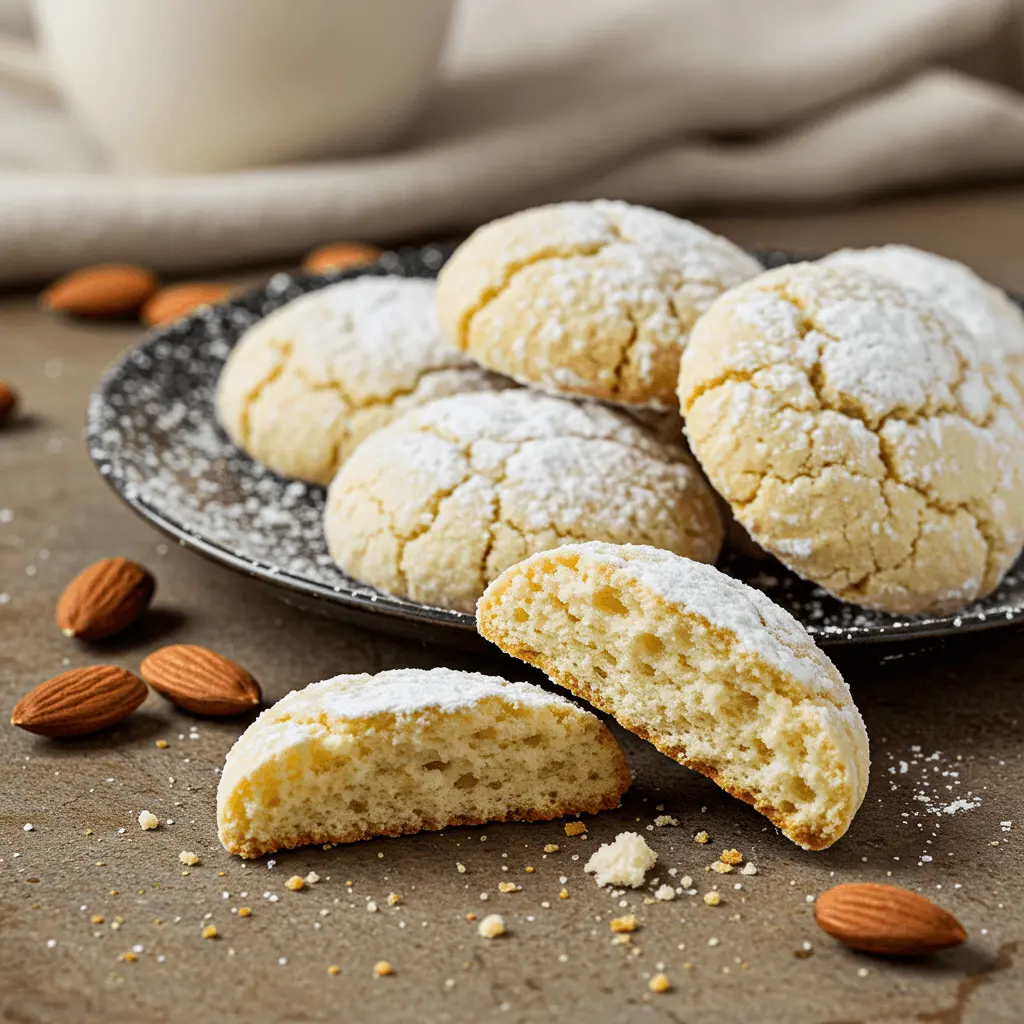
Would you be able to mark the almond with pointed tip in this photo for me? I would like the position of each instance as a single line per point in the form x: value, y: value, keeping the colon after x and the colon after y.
x: 101, y: 290
x: 178, y: 300
x: 200, y: 680
x: 104, y: 598
x: 340, y: 256
x: 81, y: 701
x: 886, y: 919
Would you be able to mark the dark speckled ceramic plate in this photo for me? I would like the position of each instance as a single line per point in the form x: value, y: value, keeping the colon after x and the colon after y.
x: 154, y: 437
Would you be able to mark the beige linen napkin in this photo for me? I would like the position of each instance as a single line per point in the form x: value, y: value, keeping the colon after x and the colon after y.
x: 674, y: 103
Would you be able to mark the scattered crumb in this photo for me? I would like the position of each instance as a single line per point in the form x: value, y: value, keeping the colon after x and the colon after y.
x: 461, y: 868
x: 312, y: 878
x: 551, y: 847
x: 128, y: 958
x: 334, y: 969
x: 659, y: 983
x: 28, y: 827
x: 731, y: 857
x: 563, y: 894
x: 508, y: 887
x: 148, y: 820
x: 748, y: 869
x: 96, y: 919
x: 394, y: 899
x: 664, y: 892
x: 572, y: 828
x: 245, y: 911
x: 624, y: 924
x: 622, y: 862
x: 712, y: 899
x: 295, y: 883
x: 210, y: 931
x: 371, y: 907
x: 491, y: 926
x: 701, y: 837
x: 720, y: 868
x: 686, y: 882
x: 665, y: 819
x: 161, y: 744
x: 529, y: 869
x: 471, y: 916
x: 189, y: 858
x: 382, y: 968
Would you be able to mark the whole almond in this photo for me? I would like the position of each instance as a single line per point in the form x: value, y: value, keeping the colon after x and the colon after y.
x: 8, y: 400
x: 105, y: 598
x: 886, y: 919
x: 80, y: 701
x: 200, y: 680
x: 177, y: 300
x: 102, y: 290
x: 340, y: 256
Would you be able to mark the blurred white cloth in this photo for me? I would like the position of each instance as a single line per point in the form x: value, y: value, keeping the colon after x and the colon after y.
x: 673, y: 103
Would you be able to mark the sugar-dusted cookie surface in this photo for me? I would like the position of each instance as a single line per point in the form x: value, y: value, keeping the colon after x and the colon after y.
x: 434, y: 506
x: 305, y: 385
x: 859, y: 437
x: 590, y: 298
x: 411, y: 749
x: 708, y: 669
x: 992, y: 317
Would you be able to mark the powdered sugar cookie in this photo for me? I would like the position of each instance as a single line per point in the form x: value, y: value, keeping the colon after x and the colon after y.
x: 708, y: 669
x: 359, y: 756
x: 859, y: 437
x: 434, y: 506
x: 305, y: 385
x: 995, y: 321
x: 590, y: 299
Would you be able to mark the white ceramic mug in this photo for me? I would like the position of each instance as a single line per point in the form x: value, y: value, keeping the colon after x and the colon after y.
x: 183, y: 86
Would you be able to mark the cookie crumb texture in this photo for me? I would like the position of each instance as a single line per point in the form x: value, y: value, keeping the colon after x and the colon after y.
x: 434, y: 506
x: 406, y: 750
x: 306, y: 384
x: 859, y: 436
x: 707, y: 669
x: 622, y: 862
x: 590, y: 298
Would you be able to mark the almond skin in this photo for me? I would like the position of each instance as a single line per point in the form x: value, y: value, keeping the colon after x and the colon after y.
x: 340, y: 256
x: 105, y: 598
x: 886, y: 919
x: 200, y: 680
x: 177, y: 300
x: 8, y: 401
x: 81, y: 701
x: 102, y: 290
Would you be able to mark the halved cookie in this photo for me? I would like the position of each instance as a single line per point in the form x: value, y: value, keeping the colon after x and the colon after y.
x: 708, y: 669
x: 360, y: 756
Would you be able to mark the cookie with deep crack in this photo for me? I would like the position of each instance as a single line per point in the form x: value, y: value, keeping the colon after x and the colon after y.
x: 410, y: 750
x: 992, y: 317
x: 434, y: 506
x: 708, y: 669
x: 306, y: 384
x: 591, y: 299
x: 859, y: 437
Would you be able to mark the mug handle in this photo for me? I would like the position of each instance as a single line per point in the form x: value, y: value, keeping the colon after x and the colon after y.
x: 22, y: 63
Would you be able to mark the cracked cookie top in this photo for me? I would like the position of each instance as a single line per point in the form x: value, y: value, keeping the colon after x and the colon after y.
x: 305, y: 385
x: 593, y: 299
x: 859, y: 436
x: 436, y: 505
x: 994, y: 320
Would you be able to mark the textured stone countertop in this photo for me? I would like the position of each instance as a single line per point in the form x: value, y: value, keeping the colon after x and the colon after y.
x: 945, y: 722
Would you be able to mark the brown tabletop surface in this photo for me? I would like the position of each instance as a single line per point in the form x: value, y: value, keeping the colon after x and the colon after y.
x: 86, y: 886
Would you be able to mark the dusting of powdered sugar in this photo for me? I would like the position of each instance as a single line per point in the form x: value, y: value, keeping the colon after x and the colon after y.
x: 154, y: 437
x: 995, y: 322
x: 936, y: 783
x: 408, y: 691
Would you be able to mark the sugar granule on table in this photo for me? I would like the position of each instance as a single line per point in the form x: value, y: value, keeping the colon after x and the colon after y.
x: 622, y: 862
